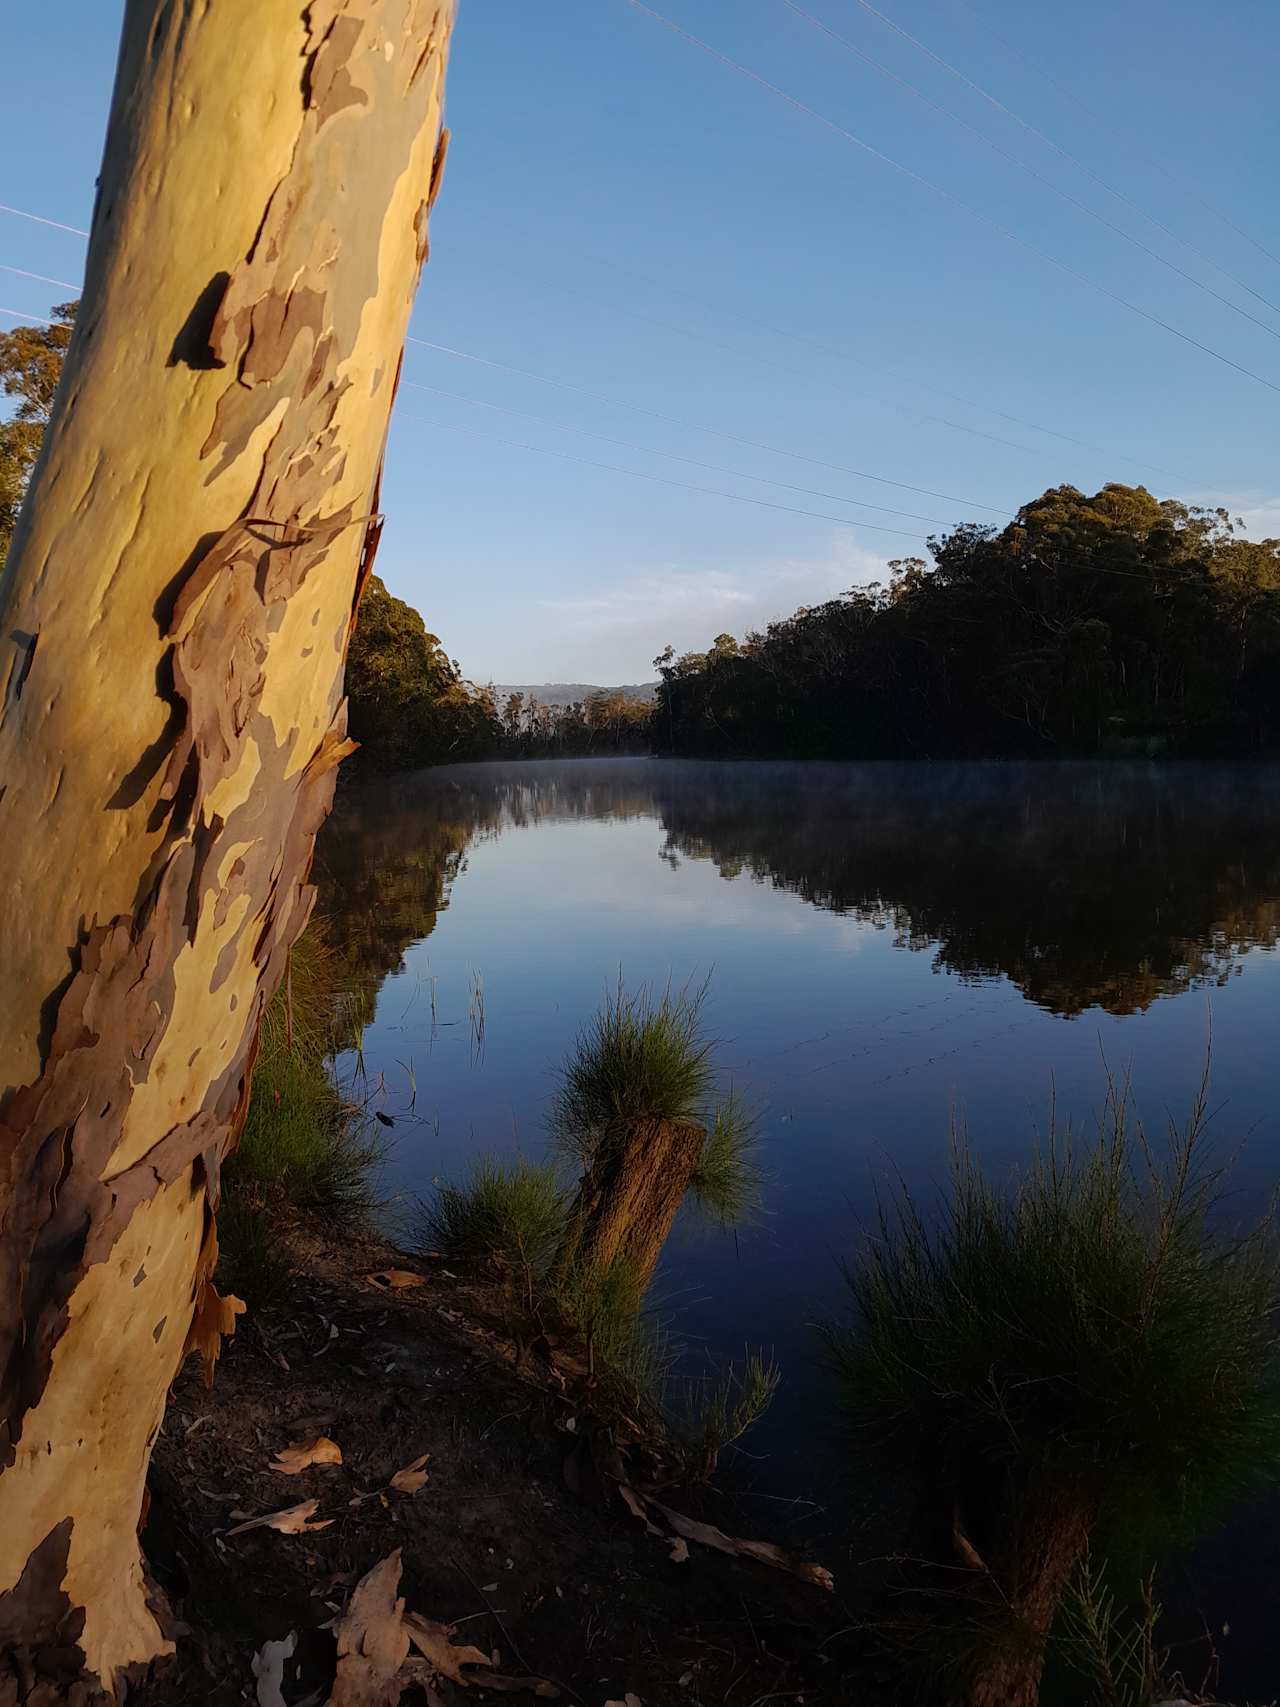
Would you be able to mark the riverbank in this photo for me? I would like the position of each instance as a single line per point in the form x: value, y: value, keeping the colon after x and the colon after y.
x: 385, y: 1356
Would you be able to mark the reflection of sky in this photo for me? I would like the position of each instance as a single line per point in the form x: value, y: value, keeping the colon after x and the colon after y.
x: 856, y: 1050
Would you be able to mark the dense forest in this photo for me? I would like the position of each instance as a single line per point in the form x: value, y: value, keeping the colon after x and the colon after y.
x: 1109, y: 624
x: 1112, y: 624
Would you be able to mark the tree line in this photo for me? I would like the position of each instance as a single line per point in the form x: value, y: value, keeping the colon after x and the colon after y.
x: 1111, y: 624
x: 1116, y: 624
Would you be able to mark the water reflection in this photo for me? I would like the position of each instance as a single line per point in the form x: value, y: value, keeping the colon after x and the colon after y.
x: 1083, y: 885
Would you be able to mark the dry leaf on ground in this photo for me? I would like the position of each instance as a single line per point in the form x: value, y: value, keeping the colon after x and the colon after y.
x: 372, y: 1642
x: 268, y: 1668
x: 629, y: 1700
x: 635, y: 1505
x: 293, y: 1520
x: 445, y: 1657
x: 412, y: 1477
x: 304, y: 1453
x: 393, y: 1279
x: 679, y: 1550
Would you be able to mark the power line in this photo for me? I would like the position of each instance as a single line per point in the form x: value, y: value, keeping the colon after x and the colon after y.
x: 693, y: 427
x: 670, y: 456
x: 768, y: 361
x: 958, y: 426
x: 21, y: 314
x: 1057, y: 147
x: 856, y: 361
x: 39, y: 219
x: 1093, y: 117
x: 665, y: 480
x: 797, y: 337
x: 948, y: 195
x: 40, y: 278
x: 1066, y: 196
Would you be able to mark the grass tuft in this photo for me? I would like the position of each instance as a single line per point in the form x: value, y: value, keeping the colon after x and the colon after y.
x: 641, y: 1058
x: 728, y: 1185
x: 720, y: 1410
x: 304, y: 1144
x: 1092, y: 1355
x: 303, y: 1140
x: 509, y: 1216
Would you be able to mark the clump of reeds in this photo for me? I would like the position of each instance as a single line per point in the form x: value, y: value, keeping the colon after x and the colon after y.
x: 508, y: 1216
x: 636, y: 1118
x: 1091, y: 1355
x: 716, y: 1412
x: 304, y: 1143
x: 640, y: 1058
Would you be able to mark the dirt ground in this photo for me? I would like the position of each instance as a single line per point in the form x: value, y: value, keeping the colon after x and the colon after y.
x: 515, y: 1536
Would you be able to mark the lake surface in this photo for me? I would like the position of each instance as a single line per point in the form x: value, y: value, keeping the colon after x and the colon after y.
x: 891, y: 948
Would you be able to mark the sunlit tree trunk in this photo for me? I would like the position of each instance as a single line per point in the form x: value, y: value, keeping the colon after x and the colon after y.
x: 627, y: 1200
x: 174, y: 617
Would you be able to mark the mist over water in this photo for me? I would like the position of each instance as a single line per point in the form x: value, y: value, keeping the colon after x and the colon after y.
x: 891, y: 948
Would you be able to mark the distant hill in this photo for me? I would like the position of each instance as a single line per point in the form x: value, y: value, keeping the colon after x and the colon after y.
x: 569, y: 693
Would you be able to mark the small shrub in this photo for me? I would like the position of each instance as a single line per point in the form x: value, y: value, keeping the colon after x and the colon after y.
x: 304, y: 1140
x: 1089, y: 1355
x: 626, y: 1345
x: 510, y: 1217
x: 251, y: 1259
x: 721, y: 1410
x: 304, y: 1144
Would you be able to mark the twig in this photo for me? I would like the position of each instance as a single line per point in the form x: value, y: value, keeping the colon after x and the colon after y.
x: 506, y: 1634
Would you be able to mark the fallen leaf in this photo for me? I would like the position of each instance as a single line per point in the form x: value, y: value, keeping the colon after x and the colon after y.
x: 679, y: 1550
x: 304, y: 1453
x: 629, y: 1700
x: 268, y: 1668
x: 765, y: 1551
x: 539, y: 1686
x: 412, y: 1477
x: 293, y: 1520
x: 635, y: 1505
x: 393, y: 1279
x: 372, y: 1640
x: 445, y: 1657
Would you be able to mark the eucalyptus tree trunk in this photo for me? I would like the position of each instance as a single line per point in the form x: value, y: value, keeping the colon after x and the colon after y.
x: 174, y: 618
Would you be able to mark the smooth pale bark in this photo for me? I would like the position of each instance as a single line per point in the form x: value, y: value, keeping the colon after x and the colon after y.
x: 174, y: 618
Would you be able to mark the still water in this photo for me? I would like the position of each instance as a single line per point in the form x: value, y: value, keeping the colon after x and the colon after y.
x: 891, y: 949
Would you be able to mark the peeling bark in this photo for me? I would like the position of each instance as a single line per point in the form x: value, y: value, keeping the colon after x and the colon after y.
x: 174, y: 617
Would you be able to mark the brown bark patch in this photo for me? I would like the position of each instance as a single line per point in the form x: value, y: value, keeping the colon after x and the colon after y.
x: 628, y: 1198
x: 40, y: 1630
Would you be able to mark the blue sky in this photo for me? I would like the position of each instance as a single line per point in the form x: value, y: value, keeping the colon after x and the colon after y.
x: 628, y: 217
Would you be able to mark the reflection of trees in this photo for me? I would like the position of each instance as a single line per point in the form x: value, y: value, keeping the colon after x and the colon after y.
x: 387, y: 859
x: 1083, y: 884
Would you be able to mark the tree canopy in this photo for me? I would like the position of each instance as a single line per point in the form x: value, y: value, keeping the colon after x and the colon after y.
x: 1115, y: 623
x: 30, y: 367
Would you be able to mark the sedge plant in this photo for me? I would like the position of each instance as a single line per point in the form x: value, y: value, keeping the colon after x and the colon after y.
x: 1088, y: 1358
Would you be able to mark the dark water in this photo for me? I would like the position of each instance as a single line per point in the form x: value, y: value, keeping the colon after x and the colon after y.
x: 891, y: 947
